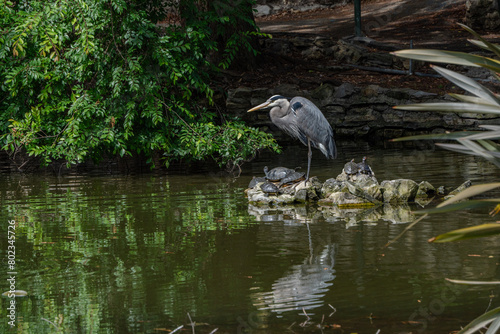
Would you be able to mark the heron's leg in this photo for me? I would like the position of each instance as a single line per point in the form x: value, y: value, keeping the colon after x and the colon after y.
x: 309, y: 156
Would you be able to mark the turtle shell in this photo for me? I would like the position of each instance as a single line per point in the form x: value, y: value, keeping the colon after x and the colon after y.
x: 269, y: 188
x: 278, y: 173
x: 256, y: 180
x: 293, y: 177
x: 351, y: 167
x: 364, y: 168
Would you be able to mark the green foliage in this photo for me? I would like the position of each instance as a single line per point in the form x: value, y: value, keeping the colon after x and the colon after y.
x: 480, y: 143
x: 484, y: 144
x: 88, y: 78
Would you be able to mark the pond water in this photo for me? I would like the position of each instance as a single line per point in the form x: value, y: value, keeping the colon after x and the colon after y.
x: 148, y: 253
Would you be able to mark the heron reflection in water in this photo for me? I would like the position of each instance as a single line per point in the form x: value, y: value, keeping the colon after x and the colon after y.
x: 301, y: 119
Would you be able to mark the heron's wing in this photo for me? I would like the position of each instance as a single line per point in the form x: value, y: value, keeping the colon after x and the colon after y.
x: 312, y: 124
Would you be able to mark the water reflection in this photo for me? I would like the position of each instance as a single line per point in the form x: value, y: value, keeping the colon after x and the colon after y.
x: 129, y: 254
x: 395, y: 214
x: 303, y: 287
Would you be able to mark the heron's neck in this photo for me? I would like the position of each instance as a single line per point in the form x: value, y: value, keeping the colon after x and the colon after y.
x: 280, y: 110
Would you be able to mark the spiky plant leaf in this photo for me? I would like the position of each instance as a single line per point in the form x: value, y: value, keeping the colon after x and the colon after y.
x: 439, y: 136
x: 469, y: 282
x: 460, y: 107
x: 495, y: 48
x: 468, y: 84
x: 469, y: 192
x: 465, y: 205
x: 469, y: 99
x: 449, y: 57
x: 484, y: 230
x: 481, y: 321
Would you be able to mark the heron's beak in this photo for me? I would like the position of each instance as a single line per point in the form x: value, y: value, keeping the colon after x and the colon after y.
x: 260, y: 106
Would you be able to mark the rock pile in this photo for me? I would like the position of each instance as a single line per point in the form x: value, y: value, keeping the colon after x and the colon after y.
x: 348, y: 189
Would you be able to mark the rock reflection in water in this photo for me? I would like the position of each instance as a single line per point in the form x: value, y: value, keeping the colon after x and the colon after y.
x: 396, y: 214
x: 303, y: 287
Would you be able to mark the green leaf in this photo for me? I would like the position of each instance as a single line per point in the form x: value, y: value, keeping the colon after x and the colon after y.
x: 452, y: 107
x: 495, y: 48
x: 484, y: 230
x: 481, y: 321
x: 438, y: 136
x: 466, y: 205
x: 469, y: 85
x: 448, y: 57
x: 469, y: 192
x: 469, y: 282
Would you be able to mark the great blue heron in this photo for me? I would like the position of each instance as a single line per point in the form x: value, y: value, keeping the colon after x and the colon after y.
x: 301, y: 119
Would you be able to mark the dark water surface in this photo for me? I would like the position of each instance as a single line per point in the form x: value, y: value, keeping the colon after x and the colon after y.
x: 145, y: 253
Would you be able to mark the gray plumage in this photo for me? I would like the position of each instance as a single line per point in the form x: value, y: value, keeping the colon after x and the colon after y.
x: 301, y: 119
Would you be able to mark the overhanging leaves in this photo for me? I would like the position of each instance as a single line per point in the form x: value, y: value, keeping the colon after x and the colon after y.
x: 484, y: 230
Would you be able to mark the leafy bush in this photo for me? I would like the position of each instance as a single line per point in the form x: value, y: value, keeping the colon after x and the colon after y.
x: 86, y: 78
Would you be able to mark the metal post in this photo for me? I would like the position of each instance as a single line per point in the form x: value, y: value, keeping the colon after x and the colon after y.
x: 357, y: 18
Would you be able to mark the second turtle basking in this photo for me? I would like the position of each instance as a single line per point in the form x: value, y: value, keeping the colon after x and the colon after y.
x: 269, y: 188
x: 351, y: 168
x: 364, y: 168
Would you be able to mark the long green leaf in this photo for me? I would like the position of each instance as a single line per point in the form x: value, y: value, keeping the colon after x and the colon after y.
x: 452, y: 107
x: 484, y: 230
x: 468, y: 282
x: 483, y: 45
x: 469, y: 99
x: 439, y: 136
x: 449, y: 57
x: 493, y: 134
x: 457, y: 148
x: 494, y: 327
x: 474, y: 147
x: 487, y: 45
x: 488, y: 144
x: 469, y: 192
x: 468, y: 84
x: 481, y: 321
x: 490, y: 127
x: 466, y: 205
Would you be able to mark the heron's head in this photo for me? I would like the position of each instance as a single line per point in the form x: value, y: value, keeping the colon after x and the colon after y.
x: 273, y: 101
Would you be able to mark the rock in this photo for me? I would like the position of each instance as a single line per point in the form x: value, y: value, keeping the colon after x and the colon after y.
x: 399, y: 191
x: 313, y: 53
x: 299, y: 192
x: 398, y: 214
x: 425, y: 190
x: 262, y: 10
x: 344, y: 199
x: 461, y: 188
x: 441, y: 191
x: 331, y: 186
x: 323, y: 93
x: 344, y: 90
x: 358, y: 191
x: 308, y: 192
x: 482, y: 14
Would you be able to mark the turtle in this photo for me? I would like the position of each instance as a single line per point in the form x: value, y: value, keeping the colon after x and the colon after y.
x: 364, y: 168
x: 269, y: 188
x: 256, y: 180
x: 292, y: 178
x: 351, y: 169
x: 277, y: 174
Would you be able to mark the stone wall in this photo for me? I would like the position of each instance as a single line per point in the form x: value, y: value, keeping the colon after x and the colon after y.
x: 359, y: 112
x: 483, y: 14
x: 267, y: 7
